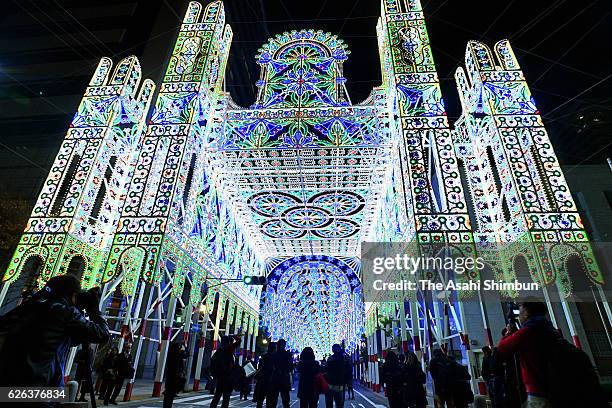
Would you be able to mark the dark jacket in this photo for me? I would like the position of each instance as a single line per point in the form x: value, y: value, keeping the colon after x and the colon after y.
x: 263, y: 376
x: 282, y: 364
x: 123, y: 366
x: 487, y: 367
x: 307, y: 371
x: 392, y: 375
x: 38, y: 335
x: 414, y: 392
x: 338, y: 370
x: 175, y: 371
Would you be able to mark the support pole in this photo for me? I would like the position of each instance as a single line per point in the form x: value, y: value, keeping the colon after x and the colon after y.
x: 217, y: 323
x: 403, y: 327
x: 165, y: 344
x: 3, y: 293
x: 485, y: 320
x: 142, y: 330
x: 191, y: 343
x: 416, y: 330
x: 200, y: 360
x: 465, y: 339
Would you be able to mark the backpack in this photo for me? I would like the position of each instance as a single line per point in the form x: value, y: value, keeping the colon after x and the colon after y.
x: 462, y: 383
x: 393, y: 376
x: 571, y: 379
x: 445, y: 376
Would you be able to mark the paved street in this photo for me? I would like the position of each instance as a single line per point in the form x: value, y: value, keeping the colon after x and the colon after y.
x: 364, y: 398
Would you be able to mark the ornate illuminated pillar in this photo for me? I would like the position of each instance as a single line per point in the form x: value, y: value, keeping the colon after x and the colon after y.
x: 77, y: 210
x: 432, y: 189
x: 160, y: 209
x: 522, y: 199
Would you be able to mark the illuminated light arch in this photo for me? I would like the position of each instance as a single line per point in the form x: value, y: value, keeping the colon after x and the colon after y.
x: 309, y: 294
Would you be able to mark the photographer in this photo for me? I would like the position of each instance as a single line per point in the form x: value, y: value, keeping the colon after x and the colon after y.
x: 37, y: 335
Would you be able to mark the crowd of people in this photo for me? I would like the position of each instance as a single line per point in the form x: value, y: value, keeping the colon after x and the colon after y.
x: 273, y: 377
x: 532, y: 366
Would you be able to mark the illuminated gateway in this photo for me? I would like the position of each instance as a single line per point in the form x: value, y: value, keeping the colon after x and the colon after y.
x: 158, y: 201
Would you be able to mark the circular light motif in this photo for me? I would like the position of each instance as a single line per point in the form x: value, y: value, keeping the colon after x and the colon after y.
x: 338, y: 229
x: 271, y: 204
x: 307, y: 217
x: 280, y: 229
x: 338, y: 202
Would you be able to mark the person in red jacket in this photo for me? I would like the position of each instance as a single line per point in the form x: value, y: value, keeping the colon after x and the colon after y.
x: 527, y: 343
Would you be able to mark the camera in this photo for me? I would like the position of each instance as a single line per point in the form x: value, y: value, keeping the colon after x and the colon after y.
x: 88, y: 298
x: 512, y: 315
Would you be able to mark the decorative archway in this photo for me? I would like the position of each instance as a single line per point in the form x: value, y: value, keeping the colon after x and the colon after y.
x: 308, y: 295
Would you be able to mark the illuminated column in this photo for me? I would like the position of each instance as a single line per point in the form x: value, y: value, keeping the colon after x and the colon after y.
x: 501, y: 135
x: 161, y: 202
x: 77, y: 209
x: 165, y: 344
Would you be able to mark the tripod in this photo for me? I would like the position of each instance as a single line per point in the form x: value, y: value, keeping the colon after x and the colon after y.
x: 88, y: 378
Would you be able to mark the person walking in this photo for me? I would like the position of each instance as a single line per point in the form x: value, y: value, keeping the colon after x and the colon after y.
x: 38, y: 334
x: 493, y: 375
x: 263, y: 375
x: 308, y: 368
x: 414, y: 378
x: 221, y: 366
x: 442, y: 373
x: 337, y: 374
x: 392, y: 376
x: 175, y: 373
x: 123, y: 369
x: 280, y: 382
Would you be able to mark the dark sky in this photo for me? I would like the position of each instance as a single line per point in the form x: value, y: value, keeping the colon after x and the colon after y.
x: 563, y: 47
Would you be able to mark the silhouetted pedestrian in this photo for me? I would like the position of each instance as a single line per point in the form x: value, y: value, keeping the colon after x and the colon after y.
x: 415, y: 378
x: 263, y: 375
x: 337, y: 373
x: 175, y: 373
x: 221, y: 367
x: 308, y: 368
x: 280, y: 382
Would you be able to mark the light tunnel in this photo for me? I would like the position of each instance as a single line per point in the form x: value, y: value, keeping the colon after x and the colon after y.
x: 314, y: 301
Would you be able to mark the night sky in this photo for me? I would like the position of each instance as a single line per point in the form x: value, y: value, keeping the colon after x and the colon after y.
x: 564, y: 48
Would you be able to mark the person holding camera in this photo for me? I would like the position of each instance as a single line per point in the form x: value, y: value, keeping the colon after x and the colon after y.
x: 38, y: 334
